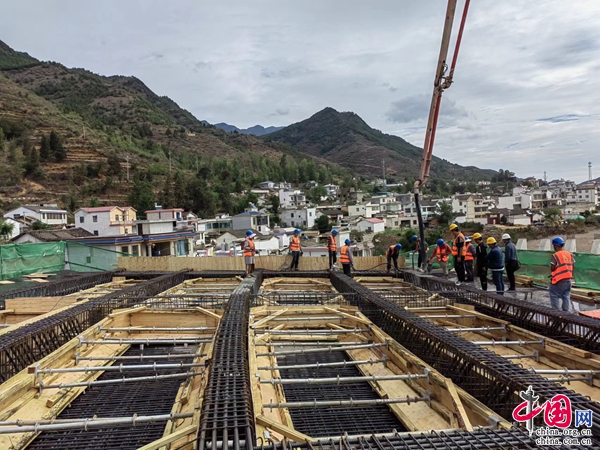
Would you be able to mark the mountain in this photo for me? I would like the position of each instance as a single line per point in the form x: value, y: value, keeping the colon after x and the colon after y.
x: 256, y: 130
x: 346, y: 139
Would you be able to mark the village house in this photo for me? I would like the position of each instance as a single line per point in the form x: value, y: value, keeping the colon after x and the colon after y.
x: 107, y: 220
x: 49, y: 214
x: 371, y: 225
x: 299, y: 217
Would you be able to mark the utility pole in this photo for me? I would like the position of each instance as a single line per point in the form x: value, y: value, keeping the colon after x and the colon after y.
x: 127, y: 159
x: 590, y: 171
x: 545, y: 177
x: 383, y: 168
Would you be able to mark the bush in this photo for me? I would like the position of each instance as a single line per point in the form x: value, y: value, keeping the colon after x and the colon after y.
x: 474, y: 227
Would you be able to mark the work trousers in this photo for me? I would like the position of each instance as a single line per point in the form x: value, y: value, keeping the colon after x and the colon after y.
x: 511, y: 268
x: 498, y: 277
x: 459, y: 268
x: 295, y: 260
x: 332, y: 259
x: 389, y: 263
x: 469, y: 271
x: 558, y: 291
x: 483, y: 278
x: 443, y: 265
x: 347, y: 270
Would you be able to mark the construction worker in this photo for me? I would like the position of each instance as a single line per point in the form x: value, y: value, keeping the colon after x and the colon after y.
x: 510, y: 261
x: 469, y: 257
x: 249, y: 252
x: 481, y: 260
x: 392, y: 254
x: 417, y: 240
x: 494, y: 262
x: 562, y: 266
x: 457, y: 252
x: 440, y: 254
x: 346, y: 257
x: 296, y: 249
x: 332, y: 248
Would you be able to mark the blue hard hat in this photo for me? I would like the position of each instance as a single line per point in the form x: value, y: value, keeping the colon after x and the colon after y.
x: 249, y: 233
x: 415, y: 237
x: 297, y: 231
x: 399, y: 246
x: 347, y: 241
x: 558, y: 241
x: 334, y: 231
x: 440, y: 242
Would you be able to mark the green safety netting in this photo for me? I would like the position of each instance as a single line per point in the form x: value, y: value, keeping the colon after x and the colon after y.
x: 17, y: 260
x: 88, y: 258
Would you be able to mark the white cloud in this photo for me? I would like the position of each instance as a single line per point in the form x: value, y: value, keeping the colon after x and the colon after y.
x: 523, y: 97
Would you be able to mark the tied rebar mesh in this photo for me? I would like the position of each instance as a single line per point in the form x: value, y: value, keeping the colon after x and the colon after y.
x: 579, y: 331
x: 27, y: 344
x: 146, y: 398
x: 490, y: 378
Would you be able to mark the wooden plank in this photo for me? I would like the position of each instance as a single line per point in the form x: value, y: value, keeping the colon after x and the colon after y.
x: 127, y: 311
x: 287, y: 432
x: 165, y: 440
x: 265, y: 336
x: 261, y: 322
x: 348, y: 316
x: 463, y: 418
x: 208, y: 313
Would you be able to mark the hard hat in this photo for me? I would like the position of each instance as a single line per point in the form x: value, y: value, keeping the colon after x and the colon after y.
x: 467, y: 239
x: 453, y: 227
x: 347, y: 242
x: 399, y: 246
x: 440, y: 242
x: 558, y: 241
x: 249, y: 233
x: 477, y: 236
x: 505, y: 236
x: 490, y: 241
x: 334, y: 231
x: 415, y: 237
x: 297, y: 231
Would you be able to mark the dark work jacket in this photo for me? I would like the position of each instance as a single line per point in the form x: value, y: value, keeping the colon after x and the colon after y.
x: 494, y: 259
x: 481, y: 255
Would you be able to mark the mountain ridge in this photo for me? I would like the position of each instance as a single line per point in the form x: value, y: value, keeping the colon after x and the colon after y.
x: 256, y: 130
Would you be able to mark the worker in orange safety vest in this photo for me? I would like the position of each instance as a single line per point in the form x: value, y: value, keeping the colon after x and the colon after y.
x: 296, y: 249
x: 249, y: 252
x: 562, y: 267
x: 469, y: 257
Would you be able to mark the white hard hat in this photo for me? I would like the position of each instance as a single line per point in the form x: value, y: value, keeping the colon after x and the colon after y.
x: 506, y: 236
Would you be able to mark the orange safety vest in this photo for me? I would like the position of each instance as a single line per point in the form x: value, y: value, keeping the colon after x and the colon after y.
x: 249, y: 251
x: 391, y: 252
x: 454, y: 247
x: 344, y: 255
x: 468, y: 255
x: 331, y: 243
x: 564, y: 266
x: 441, y: 253
x: 295, y: 244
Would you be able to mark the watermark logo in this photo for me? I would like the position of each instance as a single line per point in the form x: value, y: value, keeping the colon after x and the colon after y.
x: 558, y: 416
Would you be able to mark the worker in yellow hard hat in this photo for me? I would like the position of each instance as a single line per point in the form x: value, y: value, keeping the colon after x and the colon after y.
x: 457, y: 251
x: 481, y: 260
x: 496, y: 264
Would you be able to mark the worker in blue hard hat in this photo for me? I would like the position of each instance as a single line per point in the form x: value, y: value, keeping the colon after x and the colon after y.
x: 332, y: 248
x: 392, y: 254
x: 249, y: 252
x: 440, y: 255
x: 346, y: 258
x: 562, y: 267
x: 296, y: 249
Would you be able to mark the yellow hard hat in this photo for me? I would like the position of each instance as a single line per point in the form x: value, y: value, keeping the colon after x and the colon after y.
x: 490, y: 241
x: 453, y: 227
x: 477, y: 236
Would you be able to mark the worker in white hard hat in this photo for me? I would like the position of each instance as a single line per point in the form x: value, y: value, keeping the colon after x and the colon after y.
x: 511, y: 262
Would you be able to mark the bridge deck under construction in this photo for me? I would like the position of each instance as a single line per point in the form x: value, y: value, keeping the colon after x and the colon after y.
x: 212, y: 360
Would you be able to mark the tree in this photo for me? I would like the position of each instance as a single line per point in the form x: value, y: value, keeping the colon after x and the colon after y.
x: 94, y: 202
x: 323, y: 224
x: 37, y: 225
x: 57, y: 148
x: 316, y: 193
x: 444, y: 213
x: 32, y: 166
x: 114, y: 165
x: 275, y: 204
x: 6, y: 230
x: 141, y: 196
x: 45, y: 151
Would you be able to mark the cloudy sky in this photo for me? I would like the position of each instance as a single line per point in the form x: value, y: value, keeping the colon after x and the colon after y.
x: 525, y: 95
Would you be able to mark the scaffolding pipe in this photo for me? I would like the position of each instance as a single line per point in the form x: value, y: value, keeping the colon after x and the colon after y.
x: 309, y: 318
x: 122, y: 380
x: 120, y: 368
x: 85, y: 424
x: 566, y: 372
x: 448, y: 316
x: 535, y: 355
x: 343, y: 380
x: 519, y: 342
x: 322, y: 350
x: 351, y: 403
x: 145, y: 341
x: 315, y: 332
x: 306, y: 344
x: 323, y: 365
x: 168, y: 357
x: 130, y: 329
x: 459, y: 330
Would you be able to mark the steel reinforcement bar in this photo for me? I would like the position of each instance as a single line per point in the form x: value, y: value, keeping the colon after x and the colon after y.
x: 580, y: 331
x: 65, y: 286
x: 27, y: 344
x: 227, y: 418
x: 487, y: 376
